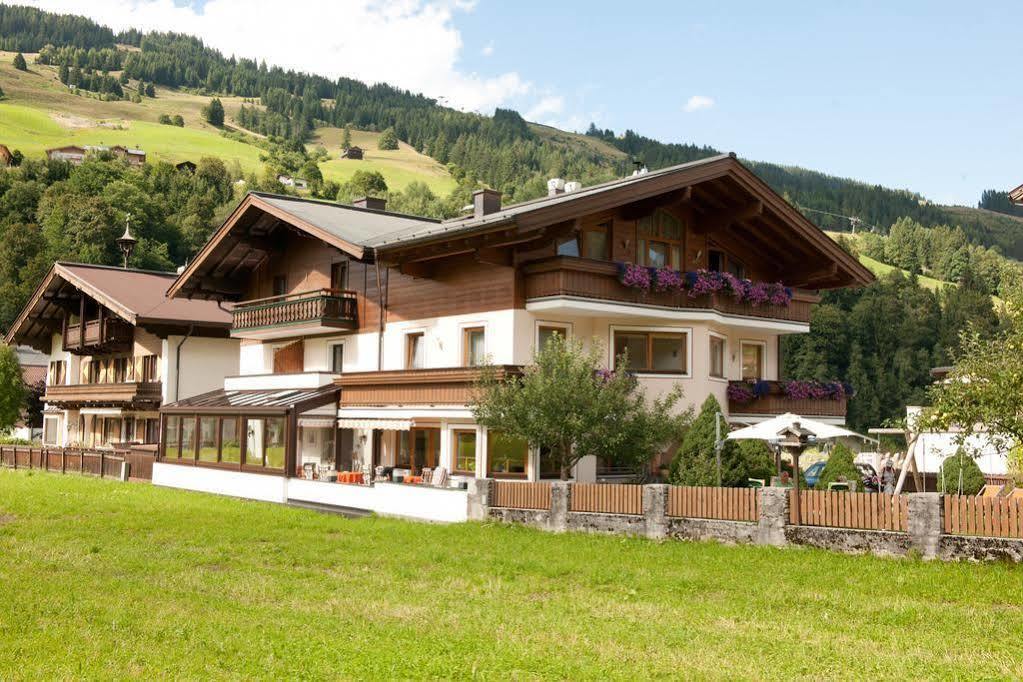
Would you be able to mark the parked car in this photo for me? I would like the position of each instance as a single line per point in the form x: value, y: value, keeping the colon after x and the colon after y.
x: 868, y: 475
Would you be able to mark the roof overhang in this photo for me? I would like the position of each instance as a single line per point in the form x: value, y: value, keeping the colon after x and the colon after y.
x: 1016, y: 195
x: 689, y: 181
x: 252, y: 211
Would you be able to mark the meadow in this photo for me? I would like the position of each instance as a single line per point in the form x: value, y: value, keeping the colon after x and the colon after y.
x: 103, y: 579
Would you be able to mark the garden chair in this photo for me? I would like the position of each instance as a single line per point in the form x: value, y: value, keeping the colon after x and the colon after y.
x: 439, y: 478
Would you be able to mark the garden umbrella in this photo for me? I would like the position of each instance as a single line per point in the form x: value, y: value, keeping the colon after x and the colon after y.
x: 771, y: 429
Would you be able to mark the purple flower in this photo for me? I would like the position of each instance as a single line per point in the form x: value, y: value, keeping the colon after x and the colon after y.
x: 741, y: 392
x: 816, y: 390
x: 780, y: 295
x: 636, y: 276
x: 666, y: 279
x: 706, y: 282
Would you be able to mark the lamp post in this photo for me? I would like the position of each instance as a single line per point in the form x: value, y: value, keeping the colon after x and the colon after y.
x: 126, y: 242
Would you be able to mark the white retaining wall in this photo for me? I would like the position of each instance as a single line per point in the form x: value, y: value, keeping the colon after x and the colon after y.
x: 233, y: 483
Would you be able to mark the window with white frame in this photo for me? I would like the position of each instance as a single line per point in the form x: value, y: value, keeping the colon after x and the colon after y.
x: 474, y: 349
x: 336, y: 360
x: 545, y: 331
x: 51, y: 430
x: 415, y: 351
x: 717, y: 356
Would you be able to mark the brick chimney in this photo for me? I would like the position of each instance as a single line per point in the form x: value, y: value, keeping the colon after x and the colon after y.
x: 485, y: 202
x: 375, y: 203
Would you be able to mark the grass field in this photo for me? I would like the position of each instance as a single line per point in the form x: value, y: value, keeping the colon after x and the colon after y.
x: 39, y: 112
x: 110, y: 580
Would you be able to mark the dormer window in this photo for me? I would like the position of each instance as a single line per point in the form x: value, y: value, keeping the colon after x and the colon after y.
x: 659, y: 240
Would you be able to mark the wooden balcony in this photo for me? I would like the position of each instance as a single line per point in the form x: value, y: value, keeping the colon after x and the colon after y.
x: 580, y: 278
x: 128, y: 394
x: 309, y: 312
x: 775, y: 402
x: 101, y: 336
x: 439, y: 386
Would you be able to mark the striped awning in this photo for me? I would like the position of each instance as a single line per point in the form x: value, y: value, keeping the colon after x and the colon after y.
x: 316, y: 422
x: 381, y: 424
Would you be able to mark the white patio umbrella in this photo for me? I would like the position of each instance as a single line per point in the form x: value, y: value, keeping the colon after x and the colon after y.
x: 771, y: 429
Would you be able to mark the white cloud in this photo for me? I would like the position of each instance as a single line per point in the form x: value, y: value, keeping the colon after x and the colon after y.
x: 548, y: 106
x: 411, y: 44
x: 488, y: 49
x: 698, y: 103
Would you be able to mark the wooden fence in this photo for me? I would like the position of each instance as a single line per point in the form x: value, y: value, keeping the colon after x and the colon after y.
x: 728, y: 504
x: 521, y: 495
x: 607, y: 498
x: 997, y: 517
x: 102, y: 463
x: 840, y: 509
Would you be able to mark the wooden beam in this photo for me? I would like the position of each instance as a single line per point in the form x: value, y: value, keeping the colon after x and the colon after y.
x: 219, y: 285
x: 809, y: 279
x: 722, y: 219
x: 420, y: 269
x: 645, y: 207
x: 493, y: 256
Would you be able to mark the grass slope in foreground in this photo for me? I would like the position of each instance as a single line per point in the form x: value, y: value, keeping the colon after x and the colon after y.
x: 111, y: 580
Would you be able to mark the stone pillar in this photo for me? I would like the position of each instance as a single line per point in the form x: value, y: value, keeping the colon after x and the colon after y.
x: 926, y: 523
x: 774, y: 515
x: 655, y: 511
x: 561, y: 499
x: 479, y: 498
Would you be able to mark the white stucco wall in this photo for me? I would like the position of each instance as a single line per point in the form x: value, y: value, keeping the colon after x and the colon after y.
x: 233, y: 483
x: 204, y: 365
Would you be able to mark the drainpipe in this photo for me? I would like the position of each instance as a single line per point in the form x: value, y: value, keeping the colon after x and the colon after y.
x: 381, y: 306
x: 177, y: 362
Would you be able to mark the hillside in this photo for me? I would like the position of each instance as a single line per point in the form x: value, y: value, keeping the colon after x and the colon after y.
x: 39, y: 112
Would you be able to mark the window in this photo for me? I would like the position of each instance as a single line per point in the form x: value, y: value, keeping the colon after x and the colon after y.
x: 717, y: 357
x: 51, y: 430
x: 506, y: 456
x: 254, y: 433
x: 58, y: 372
x: 172, y: 438
x: 149, y: 368
x: 474, y: 352
x: 129, y: 430
x: 338, y: 275
x: 280, y: 285
x: 111, y: 430
x: 207, y: 439
x: 595, y: 241
x: 418, y: 448
x: 152, y: 431
x: 465, y: 452
x: 715, y: 261
x: 230, y: 445
x: 546, y: 332
x: 752, y: 361
x: 337, y: 358
x: 549, y: 467
x: 663, y: 352
x: 736, y: 268
x: 415, y: 351
x: 659, y: 240
x: 188, y: 438
x: 120, y: 370
x: 569, y: 247
x: 275, y: 442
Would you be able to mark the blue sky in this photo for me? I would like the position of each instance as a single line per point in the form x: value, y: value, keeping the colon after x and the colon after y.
x: 917, y: 95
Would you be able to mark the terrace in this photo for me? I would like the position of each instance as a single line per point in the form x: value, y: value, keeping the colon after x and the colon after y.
x: 105, y: 394
x: 771, y: 398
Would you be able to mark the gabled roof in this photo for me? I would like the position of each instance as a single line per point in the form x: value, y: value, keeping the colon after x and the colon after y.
x: 138, y: 297
x: 1016, y: 195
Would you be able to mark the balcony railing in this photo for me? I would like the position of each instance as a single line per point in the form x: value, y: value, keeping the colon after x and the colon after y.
x: 775, y: 402
x: 321, y: 308
x: 437, y: 386
x: 107, y: 334
x: 120, y: 394
x: 598, y: 280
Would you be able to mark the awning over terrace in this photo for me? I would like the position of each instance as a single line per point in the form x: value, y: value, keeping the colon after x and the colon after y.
x: 269, y: 401
x: 382, y: 424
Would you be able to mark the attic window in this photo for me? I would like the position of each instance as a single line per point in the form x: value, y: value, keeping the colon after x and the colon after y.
x: 660, y: 240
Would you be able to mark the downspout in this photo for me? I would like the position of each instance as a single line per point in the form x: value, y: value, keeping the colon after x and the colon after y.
x: 177, y: 362
x: 382, y: 309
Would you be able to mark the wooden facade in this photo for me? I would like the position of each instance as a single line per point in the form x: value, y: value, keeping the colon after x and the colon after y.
x: 447, y: 386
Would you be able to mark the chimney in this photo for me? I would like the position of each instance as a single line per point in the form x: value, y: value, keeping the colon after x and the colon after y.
x: 375, y: 203
x: 555, y: 186
x: 485, y: 202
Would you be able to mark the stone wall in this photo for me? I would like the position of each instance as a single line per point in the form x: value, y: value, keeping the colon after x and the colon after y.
x: 924, y: 537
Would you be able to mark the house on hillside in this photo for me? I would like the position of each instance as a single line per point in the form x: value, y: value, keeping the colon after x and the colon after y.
x: 186, y: 166
x: 362, y: 331
x: 288, y: 181
x: 135, y: 157
x: 33, y: 371
x: 1016, y: 195
x: 118, y: 349
x: 70, y: 153
x: 6, y: 157
x: 353, y: 152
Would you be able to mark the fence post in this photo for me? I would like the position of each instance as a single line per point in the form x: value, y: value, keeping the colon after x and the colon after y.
x: 102, y: 463
x: 655, y: 510
x: 774, y: 516
x: 63, y: 460
x: 561, y: 501
x: 480, y: 490
x: 926, y: 523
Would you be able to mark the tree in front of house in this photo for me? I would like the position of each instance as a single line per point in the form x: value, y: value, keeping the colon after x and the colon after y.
x: 213, y: 113
x: 839, y: 469
x: 985, y: 386
x: 12, y: 388
x: 19, y: 62
x: 695, y: 463
x: 959, y: 474
x: 566, y: 407
x: 388, y: 140
x: 363, y: 183
x: 346, y: 138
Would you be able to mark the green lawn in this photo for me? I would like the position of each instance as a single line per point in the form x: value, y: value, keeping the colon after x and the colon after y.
x: 109, y: 580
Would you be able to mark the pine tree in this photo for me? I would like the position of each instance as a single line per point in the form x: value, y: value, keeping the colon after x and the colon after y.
x: 19, y: 62
x: 214, y: 112
x: 64, y: 73
x: 346, y: 139
x: 388, y: 140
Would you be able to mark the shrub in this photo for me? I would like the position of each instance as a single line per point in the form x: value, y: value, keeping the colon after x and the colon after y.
x: 695, y: 463
x: 164, y: 119
x: 960, y: 474
x: 178, y: 120
x: 388, y: 140
x: 839, y: 467
x: 11, y: 440
x: 19, y: 62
